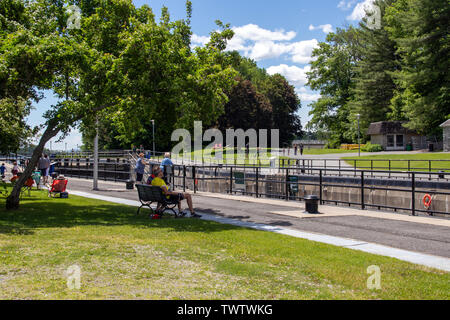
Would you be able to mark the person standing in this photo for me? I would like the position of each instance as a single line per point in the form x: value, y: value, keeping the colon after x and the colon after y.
x: 15, y: 169
x: 43, y: 166
x: 140, y: 168
x: 301, y: 149
x: 166, y: 166
x: 2, y: 170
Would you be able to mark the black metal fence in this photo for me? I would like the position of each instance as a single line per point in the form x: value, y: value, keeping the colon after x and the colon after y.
x: 108, y: 169
x: 259, y: 182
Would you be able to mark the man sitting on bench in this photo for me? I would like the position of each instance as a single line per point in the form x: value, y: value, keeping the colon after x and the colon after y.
x: 158, y: 181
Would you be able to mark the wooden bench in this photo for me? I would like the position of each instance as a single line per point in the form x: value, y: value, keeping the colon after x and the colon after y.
x: 153, y: 194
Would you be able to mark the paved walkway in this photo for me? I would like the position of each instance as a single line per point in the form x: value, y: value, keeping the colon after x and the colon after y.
x: 381, y: 232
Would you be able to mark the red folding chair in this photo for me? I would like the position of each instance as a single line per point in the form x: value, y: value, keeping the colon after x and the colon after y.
x: 57, y: 187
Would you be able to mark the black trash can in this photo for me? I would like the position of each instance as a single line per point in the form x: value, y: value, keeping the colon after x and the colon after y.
x: 130, y: 184
x: 430, y: 147
x: 312, y: 204
x: 441, y: 174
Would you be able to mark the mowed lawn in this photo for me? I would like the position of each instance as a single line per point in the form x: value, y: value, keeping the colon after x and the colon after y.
x: 124, y: 256
x: 399, y: 162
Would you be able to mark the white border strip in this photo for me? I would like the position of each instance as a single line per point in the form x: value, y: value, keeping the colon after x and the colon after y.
x: 440, y: 263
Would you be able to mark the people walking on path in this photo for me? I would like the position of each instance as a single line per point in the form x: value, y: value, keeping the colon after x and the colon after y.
x: 2, y: 170
x: 140, y: 168
x: 43, y: 166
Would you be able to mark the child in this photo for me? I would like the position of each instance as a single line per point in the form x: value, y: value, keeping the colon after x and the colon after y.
x: 15, y: 169
x: 2, y: 170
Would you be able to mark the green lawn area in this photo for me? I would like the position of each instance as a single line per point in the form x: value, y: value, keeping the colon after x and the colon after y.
x: 419, y: 162
x: 327, y: 151
x: 124, y: 256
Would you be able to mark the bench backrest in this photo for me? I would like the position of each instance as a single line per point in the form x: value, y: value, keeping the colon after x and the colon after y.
x: 59, y: 186
x: 150, y: 193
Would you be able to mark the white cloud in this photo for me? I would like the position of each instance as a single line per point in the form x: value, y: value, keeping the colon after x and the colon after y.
x: 267, y: 50
x: 199, y: 40
x: 255, y: 33
x: 293, y: 74
x: 301, y: 51
x: 359, y: 11
x: 346, y: 4
x: 307, y: 96
x: 259, y: 44
x: 326, y: 28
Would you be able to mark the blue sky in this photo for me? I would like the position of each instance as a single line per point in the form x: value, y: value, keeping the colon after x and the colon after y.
x: 278, y: 35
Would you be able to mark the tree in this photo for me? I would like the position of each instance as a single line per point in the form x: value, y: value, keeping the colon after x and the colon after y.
x: 285, y: 105
x: 246, y: 109
x: 332, y: 74
x: 374, y: 87
x: 61, y: 60
x: 421, y: 31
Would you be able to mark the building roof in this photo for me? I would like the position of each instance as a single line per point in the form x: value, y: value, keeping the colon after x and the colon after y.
x: 388, y: 127
x: 446, y: 123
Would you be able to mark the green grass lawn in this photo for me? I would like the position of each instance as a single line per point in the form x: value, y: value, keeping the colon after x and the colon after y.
x: 327, y: 151
x: 124, y: 256
x: 418, y: 162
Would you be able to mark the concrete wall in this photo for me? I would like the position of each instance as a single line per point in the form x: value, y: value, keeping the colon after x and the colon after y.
x: 274, y: 187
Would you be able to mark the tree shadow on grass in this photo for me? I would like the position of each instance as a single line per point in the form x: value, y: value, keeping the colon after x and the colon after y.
x: 64, y: 213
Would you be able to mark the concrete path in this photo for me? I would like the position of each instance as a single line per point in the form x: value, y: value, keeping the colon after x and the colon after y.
x: 421, y: 235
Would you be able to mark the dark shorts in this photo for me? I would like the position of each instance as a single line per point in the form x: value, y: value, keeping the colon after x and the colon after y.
x: 139, y: 177
x: 43, y: 172
x: 177, y: 197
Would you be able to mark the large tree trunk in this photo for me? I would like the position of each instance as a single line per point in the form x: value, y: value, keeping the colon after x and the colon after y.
x: 12, y: 202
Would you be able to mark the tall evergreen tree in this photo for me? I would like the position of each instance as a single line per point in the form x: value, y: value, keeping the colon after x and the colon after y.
x: 374, y: 85
x: 421, y: 29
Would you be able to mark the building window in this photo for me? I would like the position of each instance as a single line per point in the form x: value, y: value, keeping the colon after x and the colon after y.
x: 390, y: 140
x: 399, y: 140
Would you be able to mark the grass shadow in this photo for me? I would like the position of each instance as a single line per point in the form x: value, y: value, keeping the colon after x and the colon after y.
x: 39, y: 211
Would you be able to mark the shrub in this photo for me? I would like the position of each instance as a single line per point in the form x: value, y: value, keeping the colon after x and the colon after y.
x: 371, y: 147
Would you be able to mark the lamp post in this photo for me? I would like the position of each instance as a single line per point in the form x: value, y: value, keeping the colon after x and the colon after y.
x: 359, y: 141
x: 153, y: 126
x: 95, y: 171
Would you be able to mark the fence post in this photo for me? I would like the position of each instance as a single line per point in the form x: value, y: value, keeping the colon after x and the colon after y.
x: 231, y: 180
x: 339, y: 167
x: 371, y: 166
x: 429, y: 168
x: 362, y: 191
x: 257, y: 182
x: 193, y: 176
x: 389, y: 168
x: 320, y: 187
x: 413, y: 193
x: 287, y: 185
x: 184, y: 178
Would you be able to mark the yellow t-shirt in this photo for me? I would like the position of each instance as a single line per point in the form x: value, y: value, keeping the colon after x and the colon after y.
x: 158, y: 182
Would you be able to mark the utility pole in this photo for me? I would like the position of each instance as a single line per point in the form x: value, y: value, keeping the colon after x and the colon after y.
x: 359, y: 141
x: 95, y: 186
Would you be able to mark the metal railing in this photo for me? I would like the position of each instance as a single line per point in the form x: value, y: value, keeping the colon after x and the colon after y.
x: 284, y: 186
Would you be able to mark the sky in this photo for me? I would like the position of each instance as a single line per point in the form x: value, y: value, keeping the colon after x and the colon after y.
x: 279, y: 35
